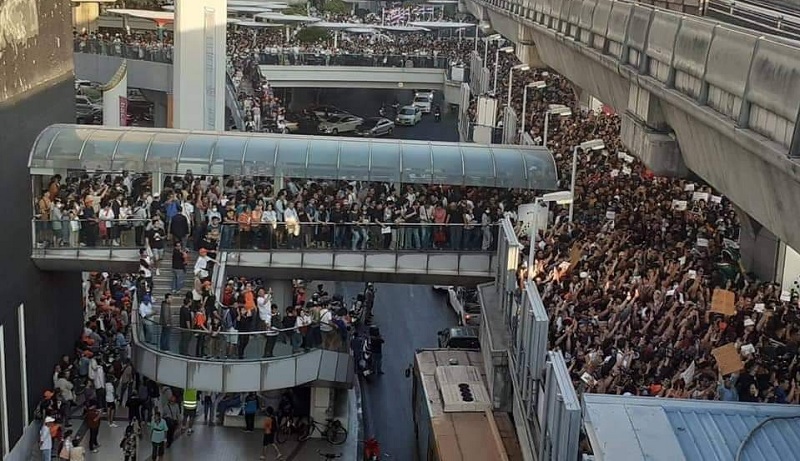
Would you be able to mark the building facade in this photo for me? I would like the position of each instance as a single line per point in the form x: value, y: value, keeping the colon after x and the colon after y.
x: 40, y: 313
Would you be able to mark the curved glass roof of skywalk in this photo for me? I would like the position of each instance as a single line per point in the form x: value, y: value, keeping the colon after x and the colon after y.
x: 83, y: 147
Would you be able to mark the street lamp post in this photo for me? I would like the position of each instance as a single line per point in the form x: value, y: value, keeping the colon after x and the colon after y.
x: 594, y: 144
x: 560, y: 110
x: 520, y: 67
x: 478, y: 27
x: 488, y: 39
x: 562, y: 198
x: 538, y: 85
x: 505, y: 49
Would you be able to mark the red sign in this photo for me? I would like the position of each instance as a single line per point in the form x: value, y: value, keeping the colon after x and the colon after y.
x: 123, y: 111
x: 608, y: 110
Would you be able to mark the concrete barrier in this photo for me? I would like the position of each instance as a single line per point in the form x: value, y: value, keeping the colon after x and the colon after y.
x: 636, y: 40
x: 691, y: 52
x: 775, y: 73
x: 587, y: 12
x: 574, y: 18
x: 617, y: 32
x: 602, y: 13
x: 555, y: 14
x: 661, y: 45
x: 727, y: 69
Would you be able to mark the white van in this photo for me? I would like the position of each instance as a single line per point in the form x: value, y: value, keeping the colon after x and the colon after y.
x: 423, y: 103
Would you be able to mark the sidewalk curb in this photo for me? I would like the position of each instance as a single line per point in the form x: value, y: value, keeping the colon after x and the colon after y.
x: 359, y: 416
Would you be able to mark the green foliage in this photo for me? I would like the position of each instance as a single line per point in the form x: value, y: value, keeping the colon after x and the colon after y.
x: 299, y: 10
x: 311, y: 34
x: 336, y: 7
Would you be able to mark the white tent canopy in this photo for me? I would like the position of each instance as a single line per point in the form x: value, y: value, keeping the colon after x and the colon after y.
x: 362, y: 30
x: 355, y: 25
x: 402, y: 28
x: 144, y: 14
x: 257, y: 4
x: 280, y: 17
x: 257, y: 24
x: 441, y: 24
x: 248, y: 9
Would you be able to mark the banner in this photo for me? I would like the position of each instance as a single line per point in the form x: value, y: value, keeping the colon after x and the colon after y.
x: 123, y: 111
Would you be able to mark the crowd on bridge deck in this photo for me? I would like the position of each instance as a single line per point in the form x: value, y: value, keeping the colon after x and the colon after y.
x: 629, y: 283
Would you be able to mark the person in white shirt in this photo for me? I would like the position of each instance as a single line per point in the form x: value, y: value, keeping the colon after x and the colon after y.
x: 111, y: 403
x: 303, y: 325
x: 99, y: 383
x: 146, y: 313
x: 107, y: 217
x: 327, y: 329
x: 46, y: 439
x: 264, y: 304
x: 201, y: 265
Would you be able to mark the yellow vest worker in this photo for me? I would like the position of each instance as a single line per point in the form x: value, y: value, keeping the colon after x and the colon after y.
x: 189, y: 409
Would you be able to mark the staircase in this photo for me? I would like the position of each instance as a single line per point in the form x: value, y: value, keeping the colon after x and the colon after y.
x: 162, y: 284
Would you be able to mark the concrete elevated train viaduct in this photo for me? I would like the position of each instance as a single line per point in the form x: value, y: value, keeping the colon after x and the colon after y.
x: 693, y: 95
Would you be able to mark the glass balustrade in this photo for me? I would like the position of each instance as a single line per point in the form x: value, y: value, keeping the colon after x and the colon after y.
x: 231, y: 345
x: 290, y: 235
x: 164, y: 53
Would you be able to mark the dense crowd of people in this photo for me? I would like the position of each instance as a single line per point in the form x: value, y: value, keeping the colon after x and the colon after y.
x: 629, y: 282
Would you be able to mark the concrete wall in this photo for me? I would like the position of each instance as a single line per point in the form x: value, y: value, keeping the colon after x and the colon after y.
x: 36, y: 90
x: 146, y: 75
x: 727, y: 97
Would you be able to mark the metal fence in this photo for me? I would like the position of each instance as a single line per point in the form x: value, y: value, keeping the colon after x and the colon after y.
x: 146, y: 52
x: 559, y: 413
x: 510, y: 122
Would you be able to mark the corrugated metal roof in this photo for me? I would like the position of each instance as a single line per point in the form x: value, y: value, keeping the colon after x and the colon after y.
x: 633, y: 428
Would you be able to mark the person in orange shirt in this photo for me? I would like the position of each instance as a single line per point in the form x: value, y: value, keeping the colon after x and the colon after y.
x: 201, y: 327
x: 249, y: 297
x: 255, y: 221
x: 244, y: 221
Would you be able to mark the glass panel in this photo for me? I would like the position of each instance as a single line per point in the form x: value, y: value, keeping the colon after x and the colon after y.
x: 322, y: 159
x: 43, y: 142
x: 69, y: 143
x: 259, y: 158
x: 384, y: 161
x: 165, y: 146
x: 447, y: 167
x: 510, y: 168
x: 354, y: 160
x: 416, y: 163
x: 98, y: 151
x: 292, y: 154
x: 197, y: 149
x: 133, y: 146
x: 541, y: 169
x: 478, y: 166
x: 163, y: 153
x: 228, y: 154
x: 230, y: 148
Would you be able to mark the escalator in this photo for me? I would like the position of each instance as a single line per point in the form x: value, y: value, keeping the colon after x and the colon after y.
x: 233, y: 113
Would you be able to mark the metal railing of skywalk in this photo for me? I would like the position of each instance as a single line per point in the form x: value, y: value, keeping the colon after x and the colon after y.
x: 155, y: 52
x: 413, y: 248
x: 266, y: 362
x: 289, y: 58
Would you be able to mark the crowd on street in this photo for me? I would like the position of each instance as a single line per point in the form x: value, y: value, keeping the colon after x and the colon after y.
x: 629, y: 282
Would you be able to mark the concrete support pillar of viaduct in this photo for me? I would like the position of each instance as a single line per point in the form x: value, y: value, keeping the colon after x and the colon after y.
x: 760, y: 249
x: 526, y: 49
x: 115, y: 98
x: 199, y: 65
x: 648, y: 136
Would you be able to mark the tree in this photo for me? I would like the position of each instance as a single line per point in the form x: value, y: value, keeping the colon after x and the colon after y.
x: 311, y: 34
x: 299, y: 10
x: 335, y: 7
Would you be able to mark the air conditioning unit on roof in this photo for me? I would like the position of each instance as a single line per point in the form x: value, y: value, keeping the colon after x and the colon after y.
x: 462, y: 389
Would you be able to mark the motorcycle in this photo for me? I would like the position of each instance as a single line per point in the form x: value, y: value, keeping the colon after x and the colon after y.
x: 365, y: 364
x: 372, y: 449
x: 437, y: 115
x: 382, y: 112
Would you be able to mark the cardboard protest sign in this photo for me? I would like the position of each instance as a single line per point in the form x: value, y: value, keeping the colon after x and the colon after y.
x: 575, y: 255
x: 723, y: 302
x: 728, y: 359
x: 680, y: 205
x: 697, y: 196
x: 689, y: 187
x: 611, y: 215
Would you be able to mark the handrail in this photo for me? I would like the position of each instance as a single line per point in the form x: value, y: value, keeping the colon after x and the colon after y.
x: 271, y: 330
x: 319, y: 235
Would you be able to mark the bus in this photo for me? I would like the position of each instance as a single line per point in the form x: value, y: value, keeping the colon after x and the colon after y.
x: 453, y: 417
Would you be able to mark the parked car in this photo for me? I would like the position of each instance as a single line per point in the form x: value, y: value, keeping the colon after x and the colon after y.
x: 443, y: 288
x: 408, y: 115
x: 375, y: 126
x: 86, y: 111
x: 460, y: 338
x: 424, y: 93
x: 464, y: 302
x: 323, y: 112
x: 424, y: 103
x: 340, y: 124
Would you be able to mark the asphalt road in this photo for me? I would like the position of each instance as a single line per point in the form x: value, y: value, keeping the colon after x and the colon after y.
x: 366, y: 103
x: 409, y: 317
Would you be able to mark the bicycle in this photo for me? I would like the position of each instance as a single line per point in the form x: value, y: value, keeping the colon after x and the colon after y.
x: 288, y: 427
x: 327, y: 456
x: 333, y: 431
